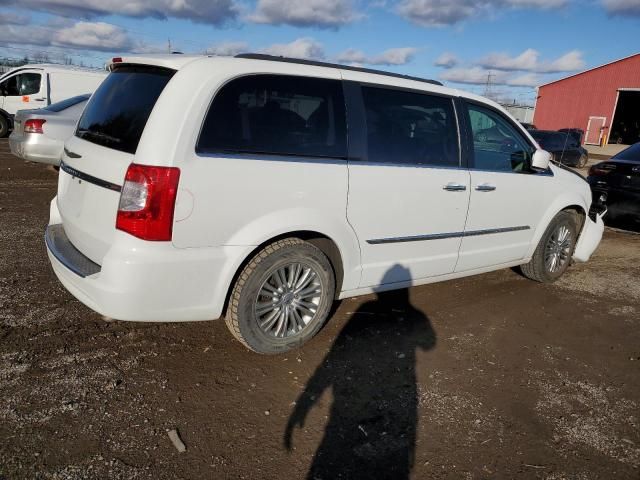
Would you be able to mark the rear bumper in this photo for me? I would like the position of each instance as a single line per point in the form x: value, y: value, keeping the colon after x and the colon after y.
x: 590, y: 238
x: 146, y: 281
x: 36, y: 148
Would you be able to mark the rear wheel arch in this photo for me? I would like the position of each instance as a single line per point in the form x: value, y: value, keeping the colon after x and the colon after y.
x: 321, y: 241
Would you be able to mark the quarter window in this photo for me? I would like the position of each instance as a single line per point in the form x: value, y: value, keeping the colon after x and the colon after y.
x: 277, y: 114
x: 410, y: 128
x: 497, y: 146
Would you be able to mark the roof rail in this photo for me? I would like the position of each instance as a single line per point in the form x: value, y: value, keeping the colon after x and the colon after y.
x: 273, y: 58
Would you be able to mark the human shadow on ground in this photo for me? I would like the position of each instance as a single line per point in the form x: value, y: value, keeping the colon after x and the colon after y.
x: 371, y: 370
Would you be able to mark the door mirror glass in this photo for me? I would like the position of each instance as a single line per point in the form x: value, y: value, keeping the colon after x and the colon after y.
x: 540, y: 160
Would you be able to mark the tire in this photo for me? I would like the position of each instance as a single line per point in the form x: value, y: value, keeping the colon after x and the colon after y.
x: 583, y: 161
x: 267, y: 281
x: 4, y: 126
x: 544, y: 271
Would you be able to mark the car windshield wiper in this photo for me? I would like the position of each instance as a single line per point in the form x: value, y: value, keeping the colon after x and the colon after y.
x: 103, y: 136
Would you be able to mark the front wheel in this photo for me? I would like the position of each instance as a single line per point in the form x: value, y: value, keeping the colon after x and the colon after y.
x: 583, y: 161
x: 553, y: 254
x: 282, y: 297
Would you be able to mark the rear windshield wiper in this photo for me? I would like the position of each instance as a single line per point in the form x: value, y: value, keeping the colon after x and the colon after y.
x: 83, y: 132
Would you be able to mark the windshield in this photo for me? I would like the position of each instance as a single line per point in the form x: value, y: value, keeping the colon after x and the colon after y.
x: 118, y: 111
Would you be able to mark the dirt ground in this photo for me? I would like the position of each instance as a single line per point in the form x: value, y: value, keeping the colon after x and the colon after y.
x: 486, y: 377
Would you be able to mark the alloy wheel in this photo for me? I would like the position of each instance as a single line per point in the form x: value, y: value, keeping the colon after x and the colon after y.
x: 288, y: 300
x: 558, y: 249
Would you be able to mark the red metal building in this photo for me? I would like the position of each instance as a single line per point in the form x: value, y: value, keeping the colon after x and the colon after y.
x: 603, y: 101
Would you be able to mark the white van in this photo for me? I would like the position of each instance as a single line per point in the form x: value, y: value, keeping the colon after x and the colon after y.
x: 37, y: 86
x: 264, y: 188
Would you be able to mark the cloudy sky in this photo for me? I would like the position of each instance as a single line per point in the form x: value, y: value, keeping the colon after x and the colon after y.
x: 515, y: 44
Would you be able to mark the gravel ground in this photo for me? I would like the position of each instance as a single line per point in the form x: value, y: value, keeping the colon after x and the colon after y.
x: 486, y: 377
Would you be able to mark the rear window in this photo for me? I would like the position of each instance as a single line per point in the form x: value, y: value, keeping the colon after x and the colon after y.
x: 277, y: 114
x: 117, y: 113
x: 68, y: 103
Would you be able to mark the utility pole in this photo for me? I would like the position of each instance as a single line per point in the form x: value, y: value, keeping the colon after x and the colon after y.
x: 487, y: 87
x: 169, y: 45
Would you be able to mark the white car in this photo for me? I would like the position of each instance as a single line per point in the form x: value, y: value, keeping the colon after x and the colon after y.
x: 39, y: 135
x: 264, y: 188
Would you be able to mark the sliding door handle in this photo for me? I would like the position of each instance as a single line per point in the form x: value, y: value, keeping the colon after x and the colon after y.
x: 455, y: 187
x: 485, y: 187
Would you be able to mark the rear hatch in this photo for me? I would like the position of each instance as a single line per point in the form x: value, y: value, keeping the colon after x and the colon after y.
x: 97, y: 156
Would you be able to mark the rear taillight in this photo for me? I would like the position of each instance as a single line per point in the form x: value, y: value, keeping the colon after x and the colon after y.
x: 601, y: 169
x: 34, y: 125
x: 147, y: 202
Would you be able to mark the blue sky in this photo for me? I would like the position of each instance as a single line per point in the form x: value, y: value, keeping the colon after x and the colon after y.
x: 518, y: 44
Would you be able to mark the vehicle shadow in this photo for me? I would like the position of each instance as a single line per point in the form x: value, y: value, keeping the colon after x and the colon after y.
x: 371, y: 370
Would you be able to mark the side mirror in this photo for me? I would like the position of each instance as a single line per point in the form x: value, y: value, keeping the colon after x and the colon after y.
x: 540, y: 160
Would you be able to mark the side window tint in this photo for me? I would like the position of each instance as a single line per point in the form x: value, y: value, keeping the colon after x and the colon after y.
x: 277, y: 114
x: 497, y: 145
x: 29, y: 83
x: 410, y: 128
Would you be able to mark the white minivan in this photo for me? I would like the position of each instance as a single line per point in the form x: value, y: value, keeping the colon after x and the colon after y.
x: 263, y: 188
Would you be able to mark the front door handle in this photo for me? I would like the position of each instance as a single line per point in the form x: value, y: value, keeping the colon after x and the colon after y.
x: 455, y: 187
x: 485, y: 187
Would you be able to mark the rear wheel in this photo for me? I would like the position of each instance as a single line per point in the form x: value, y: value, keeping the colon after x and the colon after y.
x: 553, y: 254
x: 4, y: 126
x: 282, y: 297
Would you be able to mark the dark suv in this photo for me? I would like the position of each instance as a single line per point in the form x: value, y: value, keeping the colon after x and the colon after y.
x: 564, y: 146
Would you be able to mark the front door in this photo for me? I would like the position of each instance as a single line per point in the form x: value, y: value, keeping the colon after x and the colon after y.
x: 408, y: 196
x: 507, y: 200
x: 23, y: 90
x: 594, y: 130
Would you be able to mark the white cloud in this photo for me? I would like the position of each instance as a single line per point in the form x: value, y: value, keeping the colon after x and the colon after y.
x: 436, y: 13
x: 529, y: 61
x: 306, y: 48
x: 568, y: 62
x: 481, y: 76
x: 228, y: 49
x: 305, y: 13
x: 13, y: 19
x: 473, y: 76
x: 526, y: 80
x: 392, y: 56
x: 446, y: 60
x: 202, y: 11
x: 94, y: 36
x: 622, y: 7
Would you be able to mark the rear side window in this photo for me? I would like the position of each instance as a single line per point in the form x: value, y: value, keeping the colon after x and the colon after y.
x: 277, y: 114
x: 69, y: 102
x: 410, y: 128
x: 117, y: 113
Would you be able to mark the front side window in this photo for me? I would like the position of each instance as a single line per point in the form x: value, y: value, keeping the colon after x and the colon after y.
x: 410, y: 128
x: 497, y: 145
x: 29, y: 83
x: 277, y: 114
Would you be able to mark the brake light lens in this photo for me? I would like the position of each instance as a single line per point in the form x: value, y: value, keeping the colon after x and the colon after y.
x: 601, y: 169
x: 116, y: 60
x: 34, y: 125
x: 147, y: 202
